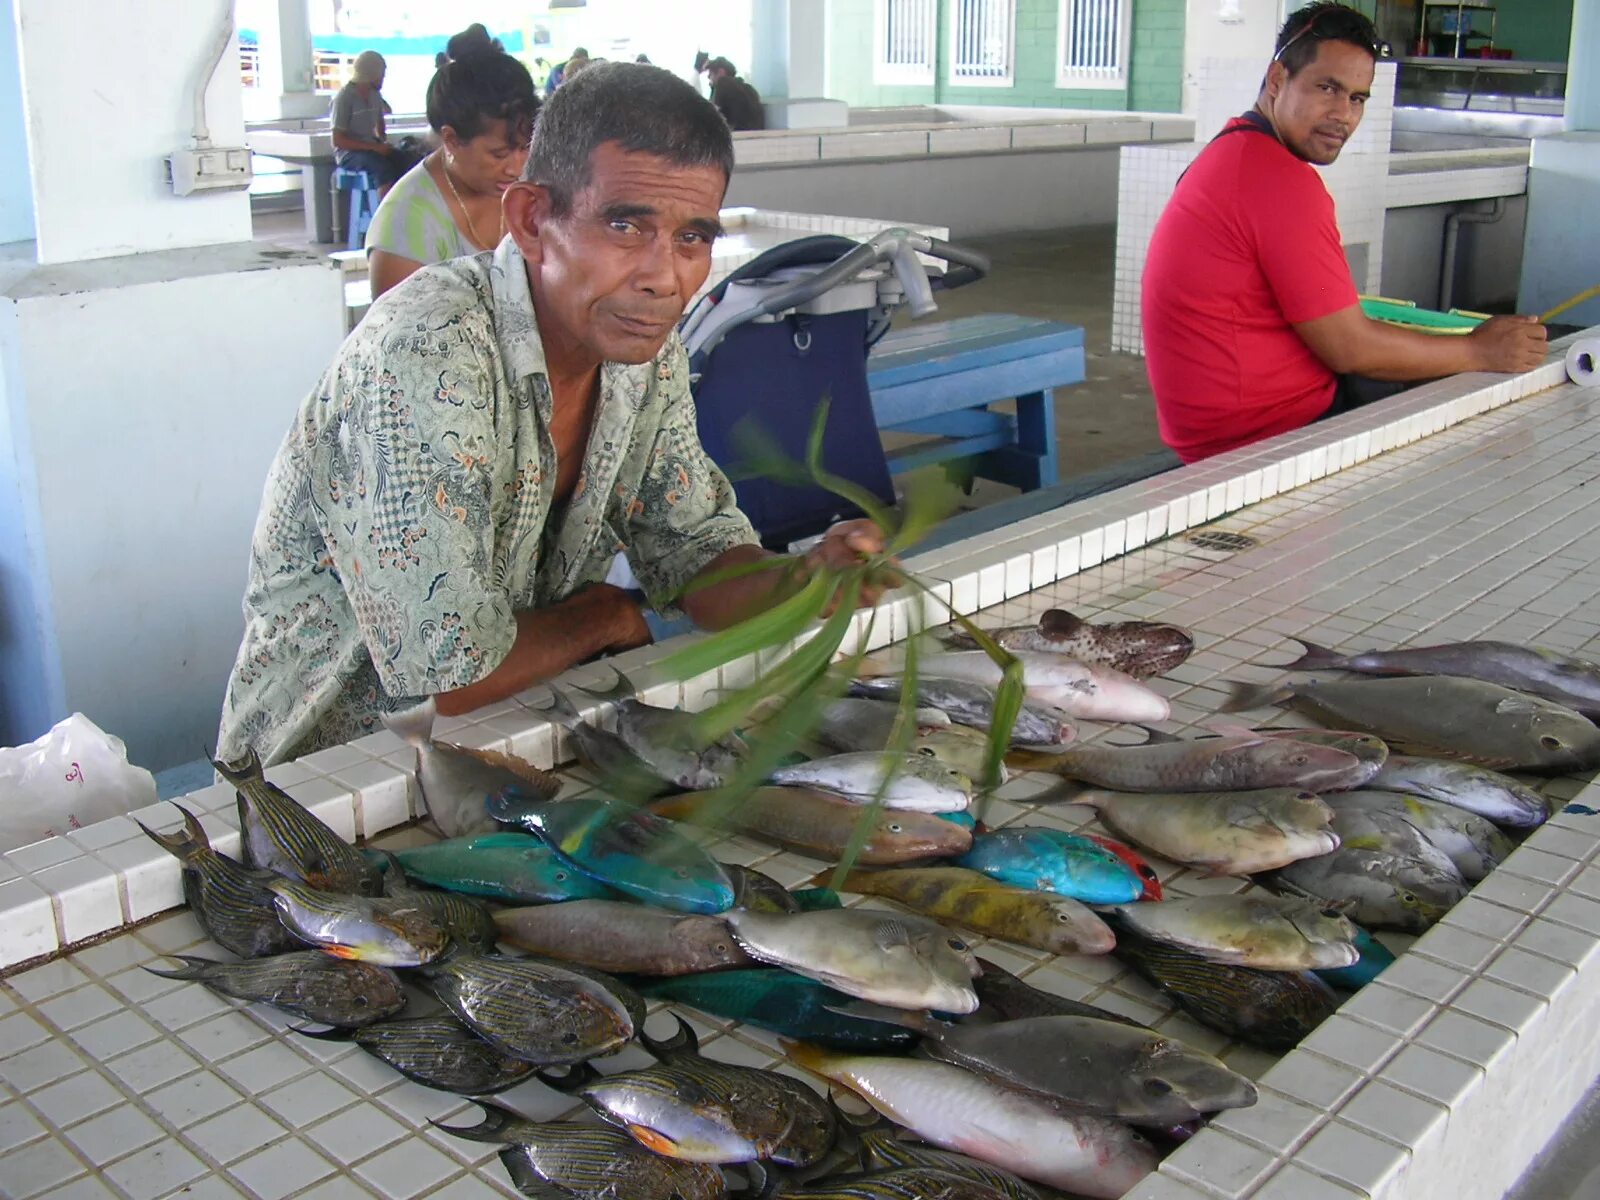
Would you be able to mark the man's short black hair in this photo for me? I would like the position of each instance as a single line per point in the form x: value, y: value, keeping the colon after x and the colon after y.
x: 644, y: 109
x: 1323, y: 21
x: 467, y: 94
x: 722, y: 64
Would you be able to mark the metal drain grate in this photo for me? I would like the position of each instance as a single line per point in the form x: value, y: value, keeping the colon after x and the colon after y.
x: 1218, y: 540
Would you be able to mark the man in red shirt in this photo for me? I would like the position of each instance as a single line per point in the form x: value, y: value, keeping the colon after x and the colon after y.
x: 1252, y: 326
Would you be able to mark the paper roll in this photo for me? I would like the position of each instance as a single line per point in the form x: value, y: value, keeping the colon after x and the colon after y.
x: 1583, y: 362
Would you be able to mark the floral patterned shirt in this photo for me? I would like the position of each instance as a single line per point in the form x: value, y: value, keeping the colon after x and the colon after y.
x: 410, y: 512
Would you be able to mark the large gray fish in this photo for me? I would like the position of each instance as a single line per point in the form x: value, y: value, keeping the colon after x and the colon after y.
x: 699, y: 1110
x: 1239, y: 763
x: 613, y: 935
x: 915, y: 782
x: 1008, y: 998
x: 1472, y: 843
x: 960, y: 1110
x: 281, y: 835
x: 1270, y: 1009
x: 230, y: 901
x: 389, y: 933
x: 1378, y: 890
x: 586, y: 1162
x: 455, y: 780
x: 973, y: 704
x: 1086, y: 690
x: 1573, y: 682
x: 899, y: 960
x: 1269, y: 933
x: 467, y: 922
x: 306, y: 983
x: 436, y: 1051
x: 1099, y: 1067
x: 1226, y: 833
x: 881, y: 1150
x: 1490, y: 794
x: 1446, y: 717
x: 1139, y: 648
x: 1384, y: 831
x: 854, y: 723
x: 533, y: 1010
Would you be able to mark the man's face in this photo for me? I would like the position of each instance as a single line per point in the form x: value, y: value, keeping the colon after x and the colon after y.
x: 611, y: 278
x: 1316, y: 111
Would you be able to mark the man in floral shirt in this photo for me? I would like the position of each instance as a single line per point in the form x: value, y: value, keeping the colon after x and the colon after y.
x: 439, y: 517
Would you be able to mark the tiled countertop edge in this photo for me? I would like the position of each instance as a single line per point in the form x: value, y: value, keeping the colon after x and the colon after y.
x: 92, y: 881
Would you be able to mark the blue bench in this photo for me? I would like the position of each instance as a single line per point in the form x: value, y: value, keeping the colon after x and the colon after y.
x: 940, y: 379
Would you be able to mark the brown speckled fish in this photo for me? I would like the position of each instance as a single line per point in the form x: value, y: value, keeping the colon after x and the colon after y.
x: 1142, y: 649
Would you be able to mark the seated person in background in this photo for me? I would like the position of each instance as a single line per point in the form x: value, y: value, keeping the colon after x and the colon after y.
x: 562, y: 71
x: 481, y: 108
x: 1252, y: 325
x: 736, y: 100
x: 358, y: 117
x: 451, y: 493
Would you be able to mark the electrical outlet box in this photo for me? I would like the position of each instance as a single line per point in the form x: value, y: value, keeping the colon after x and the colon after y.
x: 215, y: 169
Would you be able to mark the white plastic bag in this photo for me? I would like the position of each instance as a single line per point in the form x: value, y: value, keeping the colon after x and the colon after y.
x: 73, y: 776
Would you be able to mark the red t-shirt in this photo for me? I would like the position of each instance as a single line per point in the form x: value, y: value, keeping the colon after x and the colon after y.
x: 1248, y: 246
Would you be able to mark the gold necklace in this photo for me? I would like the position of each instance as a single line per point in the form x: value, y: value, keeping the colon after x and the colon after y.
x: 472, y: 228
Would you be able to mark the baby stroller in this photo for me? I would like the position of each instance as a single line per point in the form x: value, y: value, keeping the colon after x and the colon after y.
x: 790, y: 328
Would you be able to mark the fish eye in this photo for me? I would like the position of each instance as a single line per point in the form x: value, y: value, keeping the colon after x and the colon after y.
x: 561, y: 876
x: 1157, y: 1087
x: 926, y: 751
x: 569, y: 1039
x: 955, y: 943
x: 1408, y: 898
x: 896, y: 827
x: 1331, y: 913
x: 1550, y: 743
x: 1299, y: 760
x: 681, y: 873
x: 359, y: 1001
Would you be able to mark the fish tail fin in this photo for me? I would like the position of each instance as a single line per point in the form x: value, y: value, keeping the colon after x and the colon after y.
x: 517, y: 1160
x: 1242, y: 697
x: 622, y: 689
x: 193, y: 968
x: 560, y: 707
x: 332, y: 1034
x: 570, y: 1079
x: 873, y: 665
x: 681, y: 1042
x: 494, y: 1121
x: 1316, y: 658
x: 1157, y: 737
x: 1033, y: 760
x: 1059, y: 623
x: 542, y: 784
x: 813, y: 1058
x: 240, y: 771
x: 183, y: 846
x: 867, y: 1011
x: 414, y: 725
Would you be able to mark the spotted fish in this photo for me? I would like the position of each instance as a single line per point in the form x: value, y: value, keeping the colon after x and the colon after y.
x: 230, y: 901
x: 586, y: 1162
x: 307, y: 983
x: 281, y: 835
x: 436, y: 1051
x: 1140, y: 648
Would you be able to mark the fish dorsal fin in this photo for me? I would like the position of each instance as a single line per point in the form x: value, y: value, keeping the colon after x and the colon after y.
x: 1059, y: 623
x: 543, y: 784
x: 1521, y: 705
x: 1158, y: 737
x: 1234, y: 729
x: 890, y: 933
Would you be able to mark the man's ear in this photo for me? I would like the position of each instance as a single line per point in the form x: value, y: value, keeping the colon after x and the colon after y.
x: 528, y: 210
x: 1277, y: 77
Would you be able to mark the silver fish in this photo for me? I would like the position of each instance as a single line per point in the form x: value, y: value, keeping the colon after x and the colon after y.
x: 1574, y: 682
x: 1246, y: 762
x: 900, y: 960
x: 456, y: 780
x: 1472, y: 843
x: 1269, y: 933
x: 1384, y: 831
x: 1086, y: 690
x: 1447, y: 717
x: 973, y: 704
x: 854, y: 723
x: 909, y: 781
x: 1490, y: 794
x: 389, y: 933
x: 1374, y: 888
x: 1142, y: 649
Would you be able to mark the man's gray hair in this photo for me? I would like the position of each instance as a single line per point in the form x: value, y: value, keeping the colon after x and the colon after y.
x: 642, y: 108
x: 369, y: 65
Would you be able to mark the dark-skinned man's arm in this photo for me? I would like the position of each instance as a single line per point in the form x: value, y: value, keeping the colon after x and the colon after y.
x: 1350, y: 343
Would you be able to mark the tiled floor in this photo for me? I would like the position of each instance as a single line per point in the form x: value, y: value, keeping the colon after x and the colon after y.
x: 116, y: 1083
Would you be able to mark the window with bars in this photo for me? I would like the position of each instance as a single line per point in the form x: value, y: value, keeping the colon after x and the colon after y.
x: 983, y: 42
x: 905, y: 35
x: 1093, y: 43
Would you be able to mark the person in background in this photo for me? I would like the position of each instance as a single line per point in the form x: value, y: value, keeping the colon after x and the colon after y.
x: 736, y: 100
x: 481, y: 109
x: 562, y: 71
x: 358, y: 117
x: 450, y: 494
x: 1252, y: 323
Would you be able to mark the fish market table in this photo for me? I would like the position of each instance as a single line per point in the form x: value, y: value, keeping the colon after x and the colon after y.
x: 1465, y: 509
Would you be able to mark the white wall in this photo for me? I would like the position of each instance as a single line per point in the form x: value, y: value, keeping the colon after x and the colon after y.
x: 1238, y: 32
x: 153, y: 393
x: 108, y: 96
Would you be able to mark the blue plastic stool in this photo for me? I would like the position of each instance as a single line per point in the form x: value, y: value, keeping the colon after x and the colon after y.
x: 363, y: 200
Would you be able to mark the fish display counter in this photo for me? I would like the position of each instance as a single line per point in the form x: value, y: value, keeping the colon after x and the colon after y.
x: 139, y: 1061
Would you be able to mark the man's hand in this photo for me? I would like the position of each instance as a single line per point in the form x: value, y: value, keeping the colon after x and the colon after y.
x: 1510, y: 344
x: 621, y: 615
x: 848, y: 544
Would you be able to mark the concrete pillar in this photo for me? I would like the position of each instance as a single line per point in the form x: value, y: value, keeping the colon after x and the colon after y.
x: 286, y: 61
x: 789, y: 64
x: 1227, y: 45
x: 16, y: 179
x: 1559, y: 249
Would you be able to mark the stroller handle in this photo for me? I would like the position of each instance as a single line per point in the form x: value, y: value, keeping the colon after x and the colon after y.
x: 966, y: 266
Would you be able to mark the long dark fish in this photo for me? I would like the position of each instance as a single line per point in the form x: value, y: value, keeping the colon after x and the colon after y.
x: 1139, y: 648
x: 281, y: 835
x: 587, y: 1162
x: 1001, y: 994
x: 1574, y: 682
x: 532, y: 1009
x: 1270, y: 1009
x: 230, y: 901
x: 700, y: 1110
x: 307, y: 983
x: 468, y: 923
x: 615, y: 935
x: 882, y: 1150
x: 502, y: 866
x: 436, y: 1051
x: 783, y: 1002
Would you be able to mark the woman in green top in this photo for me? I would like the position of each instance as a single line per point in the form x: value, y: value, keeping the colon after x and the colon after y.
x: 481, y: 108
